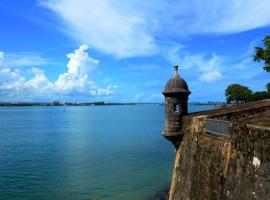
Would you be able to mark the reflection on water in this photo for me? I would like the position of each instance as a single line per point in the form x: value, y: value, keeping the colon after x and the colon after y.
x: 99, y: 152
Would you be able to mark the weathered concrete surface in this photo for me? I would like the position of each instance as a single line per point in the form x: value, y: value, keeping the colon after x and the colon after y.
x: 236, y: 167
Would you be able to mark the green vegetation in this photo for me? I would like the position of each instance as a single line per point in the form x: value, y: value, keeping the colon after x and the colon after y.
x: 259, y: 95
x: 237, y: 93
x: 263, y: 54
x: 247, y: 148
x: 268, y: 87
x: 219, y: 170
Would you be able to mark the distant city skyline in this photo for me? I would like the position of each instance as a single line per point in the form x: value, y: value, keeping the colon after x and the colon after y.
x: 124, y: 51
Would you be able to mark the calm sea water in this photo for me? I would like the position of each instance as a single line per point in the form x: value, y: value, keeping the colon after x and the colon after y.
x: 84, y: 153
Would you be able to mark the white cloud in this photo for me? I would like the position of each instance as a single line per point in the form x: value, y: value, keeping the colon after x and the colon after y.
x: 14, y: 85
x: 80, y: 66
x: 10, y: 79
x: 223, y: 17
x: 172, y: 55
x: 211, y: 68
x: 109, y: 90
x: 23, y: 59
x: 133, y: 28
x: 244, y: 15
x: 40, y: 83
x: 211, y: 75
x: 208, y: 67
x: 106, y: 26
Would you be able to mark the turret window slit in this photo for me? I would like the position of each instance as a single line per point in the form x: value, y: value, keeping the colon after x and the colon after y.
x: 177, y: 108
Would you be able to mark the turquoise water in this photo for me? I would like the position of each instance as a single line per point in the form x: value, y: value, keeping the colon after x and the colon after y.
x: 84, y: 153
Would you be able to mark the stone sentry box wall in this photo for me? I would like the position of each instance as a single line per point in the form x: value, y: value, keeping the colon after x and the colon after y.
x: 215, y: 167
x: 176, y: 94
x: 174, y: 110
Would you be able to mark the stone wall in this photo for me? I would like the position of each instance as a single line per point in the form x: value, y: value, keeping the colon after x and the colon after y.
x: 249, y: 167
x: 214, y: 167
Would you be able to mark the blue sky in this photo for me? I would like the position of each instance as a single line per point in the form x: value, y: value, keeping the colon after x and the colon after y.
x: 124, y: 51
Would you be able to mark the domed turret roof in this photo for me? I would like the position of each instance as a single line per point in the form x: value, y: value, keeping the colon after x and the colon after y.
x: 176, y: 84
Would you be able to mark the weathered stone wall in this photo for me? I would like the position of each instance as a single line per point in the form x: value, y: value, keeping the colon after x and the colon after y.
x: 211, y: 167
x: 249, y: 167
x: 242, y: 115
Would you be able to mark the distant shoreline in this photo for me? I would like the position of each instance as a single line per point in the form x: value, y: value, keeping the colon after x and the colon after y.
x: 56, y: 103
x: 74, y: 104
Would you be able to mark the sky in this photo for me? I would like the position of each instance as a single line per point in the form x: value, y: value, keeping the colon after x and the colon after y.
x: 124, y: 51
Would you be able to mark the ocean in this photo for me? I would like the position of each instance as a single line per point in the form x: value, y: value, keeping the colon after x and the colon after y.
x: 84, y: 152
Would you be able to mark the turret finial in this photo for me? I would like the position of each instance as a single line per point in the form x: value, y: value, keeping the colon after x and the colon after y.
x: 176, y: 70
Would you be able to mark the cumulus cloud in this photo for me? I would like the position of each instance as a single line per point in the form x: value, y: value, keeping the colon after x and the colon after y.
x: 40, y: 83
x: 133, y: 28
x: 10, y: 79
x: 80, y: 66
x: 15, y: 85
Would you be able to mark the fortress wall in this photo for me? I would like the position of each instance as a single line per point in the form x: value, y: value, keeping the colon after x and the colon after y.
x: 214, y: 167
